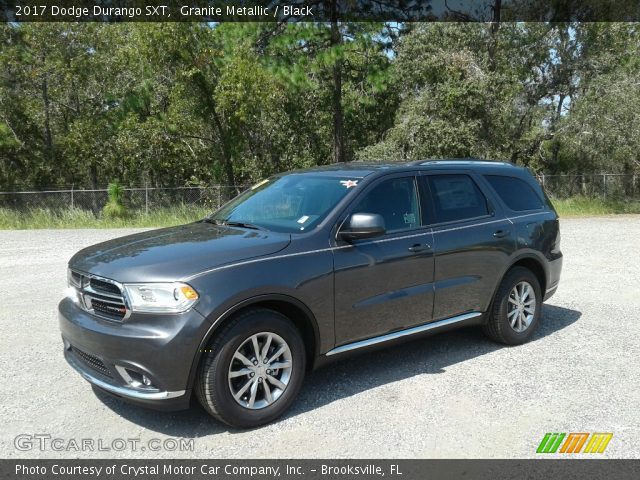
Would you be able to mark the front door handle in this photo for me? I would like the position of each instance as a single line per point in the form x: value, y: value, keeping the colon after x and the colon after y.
x: 417, y: 248
x: 501, y: 233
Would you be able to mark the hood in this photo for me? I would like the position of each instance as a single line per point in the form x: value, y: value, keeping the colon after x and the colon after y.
x: 173, y: 253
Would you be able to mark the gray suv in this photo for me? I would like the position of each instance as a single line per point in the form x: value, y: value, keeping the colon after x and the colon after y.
x: 305, y: 267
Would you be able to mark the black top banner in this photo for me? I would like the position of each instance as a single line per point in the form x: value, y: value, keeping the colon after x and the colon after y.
x: 320, y: 10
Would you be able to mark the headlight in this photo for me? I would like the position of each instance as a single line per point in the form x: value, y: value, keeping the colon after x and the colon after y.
x: 160, y: 297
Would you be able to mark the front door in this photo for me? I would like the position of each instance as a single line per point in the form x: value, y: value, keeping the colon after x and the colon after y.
x: 385, y: 283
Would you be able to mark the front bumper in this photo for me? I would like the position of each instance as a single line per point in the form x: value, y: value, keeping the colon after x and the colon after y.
x: 113, y: 356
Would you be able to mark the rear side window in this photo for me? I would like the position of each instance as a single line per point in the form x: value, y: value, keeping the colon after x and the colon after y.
x: 456, y: 197
x: 515, y: 193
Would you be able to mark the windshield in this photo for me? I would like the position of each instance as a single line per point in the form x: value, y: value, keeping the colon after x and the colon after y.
x: 292, y: 203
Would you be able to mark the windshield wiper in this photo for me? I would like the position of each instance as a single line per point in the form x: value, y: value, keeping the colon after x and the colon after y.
x: 232, y: 223
x: 243, y: 225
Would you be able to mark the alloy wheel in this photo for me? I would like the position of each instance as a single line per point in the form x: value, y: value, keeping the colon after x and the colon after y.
x: 260, y: 370
x: 521, y: 306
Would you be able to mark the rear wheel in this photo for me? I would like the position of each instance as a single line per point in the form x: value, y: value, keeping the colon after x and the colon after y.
x: 252, y: 371
x: 516, y: 309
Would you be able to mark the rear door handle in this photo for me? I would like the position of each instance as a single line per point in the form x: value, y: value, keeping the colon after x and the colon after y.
x: 501, y: 233
x: 417, y: 248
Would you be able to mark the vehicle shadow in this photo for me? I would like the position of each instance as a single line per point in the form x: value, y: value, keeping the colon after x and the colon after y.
x: 344, y: 378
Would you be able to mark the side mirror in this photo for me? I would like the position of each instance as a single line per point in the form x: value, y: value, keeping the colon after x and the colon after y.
x: 363, y: 225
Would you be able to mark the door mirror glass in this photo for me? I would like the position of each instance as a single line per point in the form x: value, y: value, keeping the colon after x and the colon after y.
x: 363, y: 225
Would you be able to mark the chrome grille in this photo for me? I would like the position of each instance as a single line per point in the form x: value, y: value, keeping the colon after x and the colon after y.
x: 75, y: 278
x: 104, y: 287
x: 100, y: 296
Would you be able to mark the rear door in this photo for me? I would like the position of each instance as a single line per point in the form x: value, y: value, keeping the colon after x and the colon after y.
x: 385, y: 283
x: 472, y: 242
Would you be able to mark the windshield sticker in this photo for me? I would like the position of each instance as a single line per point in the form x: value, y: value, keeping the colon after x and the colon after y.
x: 410, y: 218
x: 259, y: 184
x: 303, y: 219
x: 349, y: 183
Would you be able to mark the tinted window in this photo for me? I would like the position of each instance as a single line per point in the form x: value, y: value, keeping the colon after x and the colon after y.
x: 456, y: 197
x: 515, y: 193
x: 396, y: 200
x: 291, y: 203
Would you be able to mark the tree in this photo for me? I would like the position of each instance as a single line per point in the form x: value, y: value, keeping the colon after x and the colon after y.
x: 170, y: 104
x: 346, y: 66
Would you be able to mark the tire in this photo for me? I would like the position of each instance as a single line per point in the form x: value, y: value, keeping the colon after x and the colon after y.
x: 223, y: 373
x: 501, y: 315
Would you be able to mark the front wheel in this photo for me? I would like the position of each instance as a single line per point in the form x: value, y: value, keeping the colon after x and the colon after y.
x: 252, y: 371
x: 516, y: 308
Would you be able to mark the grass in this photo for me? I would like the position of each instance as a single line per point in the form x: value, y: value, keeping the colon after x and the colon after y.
x: 590, y: 207
x: 166, y: 217
x: 77, y: 218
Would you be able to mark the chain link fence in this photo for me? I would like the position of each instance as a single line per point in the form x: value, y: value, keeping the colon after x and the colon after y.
x: 147, y: 199
x: 137, y: 200
x: 606, y: 186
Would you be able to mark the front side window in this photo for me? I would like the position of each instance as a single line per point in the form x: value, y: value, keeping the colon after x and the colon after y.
x: 291, y: 203
x: 515, y: 193
x: 456, y: 197
x: 396, y: 200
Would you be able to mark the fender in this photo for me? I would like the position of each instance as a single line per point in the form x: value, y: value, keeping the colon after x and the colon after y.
x: 218, y: 322
x: 529, y: 254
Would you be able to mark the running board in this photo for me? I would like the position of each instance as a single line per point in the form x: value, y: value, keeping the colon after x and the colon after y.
x: 403, y: 333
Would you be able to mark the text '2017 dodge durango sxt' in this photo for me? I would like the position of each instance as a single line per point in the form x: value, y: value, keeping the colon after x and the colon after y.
x: 304, y: 267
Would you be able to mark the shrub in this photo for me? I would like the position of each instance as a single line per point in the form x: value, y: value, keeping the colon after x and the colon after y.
x: 115, y: 207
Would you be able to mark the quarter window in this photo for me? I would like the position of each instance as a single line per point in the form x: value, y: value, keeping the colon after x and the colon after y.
x: 456, y: 197
x: 515, y: 193
x: 396, y: 200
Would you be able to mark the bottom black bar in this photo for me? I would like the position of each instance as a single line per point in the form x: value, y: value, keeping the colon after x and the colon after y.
x: 583, y: 469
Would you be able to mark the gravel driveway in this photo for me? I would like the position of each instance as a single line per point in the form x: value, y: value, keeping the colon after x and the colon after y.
x: 452, y: 395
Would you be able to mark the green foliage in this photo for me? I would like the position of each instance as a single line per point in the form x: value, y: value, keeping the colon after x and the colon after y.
x: 115, y: 192
x: 463, y: 90
x: 45, y: 218
x: 555, y: 97
x: 164, y: 104
x: 115, y: 210
x: 589, y: 207
x: 115, y: 207
x: 76, y: 218
x: 179, y: 215
x: 603, y: 130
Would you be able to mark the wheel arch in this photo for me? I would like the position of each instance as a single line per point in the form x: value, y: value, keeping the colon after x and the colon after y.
x: 529, y: 261
x: 536, y: 266
x: 296, y: 311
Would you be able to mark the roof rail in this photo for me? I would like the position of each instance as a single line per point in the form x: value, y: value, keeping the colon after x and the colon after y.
x: 460, y: 161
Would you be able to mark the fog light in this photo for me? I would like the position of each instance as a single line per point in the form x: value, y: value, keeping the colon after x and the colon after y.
x: 135, y: 379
